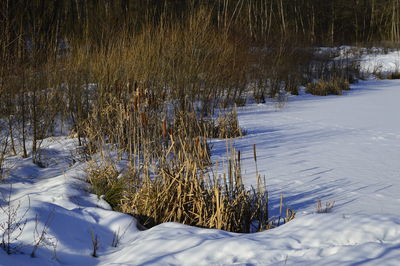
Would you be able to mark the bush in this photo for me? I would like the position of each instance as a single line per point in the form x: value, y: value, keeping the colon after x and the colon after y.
x: 331, y: 87
x: 394, y: 75
x: 12, y: 227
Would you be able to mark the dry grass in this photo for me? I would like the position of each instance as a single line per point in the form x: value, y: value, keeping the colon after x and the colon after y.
x: 228, y: 126
x: 181, y: 192
x: 331, y: 87
x: 324, y: 209
x: 177, y: 186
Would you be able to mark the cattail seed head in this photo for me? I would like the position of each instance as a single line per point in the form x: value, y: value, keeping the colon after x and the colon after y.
x: 164, y: 128
x: 254, y: 152
x: 143, y: 119
x: 135, y: 102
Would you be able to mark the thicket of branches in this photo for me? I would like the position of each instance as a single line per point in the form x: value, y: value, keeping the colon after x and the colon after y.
x: 313, y: 21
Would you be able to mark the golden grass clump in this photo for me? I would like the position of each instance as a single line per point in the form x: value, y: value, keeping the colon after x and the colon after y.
x: 228, y: 126
x: 178, y: 187
x: 181, y: 191
x: 334, y: 86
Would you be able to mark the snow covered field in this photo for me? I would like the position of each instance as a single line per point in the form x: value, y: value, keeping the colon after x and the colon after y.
x: 345, y: 148
x: 337, y: 148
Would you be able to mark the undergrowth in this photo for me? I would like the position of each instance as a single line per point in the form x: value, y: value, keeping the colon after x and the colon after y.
x: 327, y: 87
x: 180, y: 190
x: 105, y: 183
x: 392, y: 75
x: 169, y: 174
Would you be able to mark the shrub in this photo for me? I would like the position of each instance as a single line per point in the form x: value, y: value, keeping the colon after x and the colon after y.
x: 292, y: 85
x: 322, y: 88
x: 394, y: 75
x: 330, y: 87
x: 13, y: 225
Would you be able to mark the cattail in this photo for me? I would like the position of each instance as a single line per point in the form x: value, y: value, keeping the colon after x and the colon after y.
x: 164, y: 128
x: 255, y: 158
x: 143, y: 119
x: 135, y: 102
x: 254, y: 152
x: 163, y: 95
x: 129, y: 86
x: 138, y: 99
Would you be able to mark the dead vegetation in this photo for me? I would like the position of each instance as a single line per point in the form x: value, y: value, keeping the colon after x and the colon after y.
x: 330, y: 87
x: 178, y: 188
x: 148, y: 89
x: 13, y: 226
x: 324, y: 209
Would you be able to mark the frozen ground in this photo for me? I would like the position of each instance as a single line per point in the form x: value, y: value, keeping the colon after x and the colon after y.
x: 338, y: 148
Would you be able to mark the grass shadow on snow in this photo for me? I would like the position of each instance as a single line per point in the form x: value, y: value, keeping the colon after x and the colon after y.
x: 72, y: 229
x: 305, y: 199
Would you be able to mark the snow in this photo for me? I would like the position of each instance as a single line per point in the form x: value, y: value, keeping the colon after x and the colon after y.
x: 337, y: 148
x: 344, y: 149
x: 371, y: 60
x: 384, y: 63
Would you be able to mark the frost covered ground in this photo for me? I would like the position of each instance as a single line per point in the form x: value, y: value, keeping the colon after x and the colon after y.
x: 337, y: 148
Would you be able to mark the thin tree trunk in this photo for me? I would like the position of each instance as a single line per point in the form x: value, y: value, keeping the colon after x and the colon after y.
x: 10, y: 130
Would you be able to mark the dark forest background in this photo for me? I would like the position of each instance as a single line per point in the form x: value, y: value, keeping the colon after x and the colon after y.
x: 315, y: 22
x: 42, y: 28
